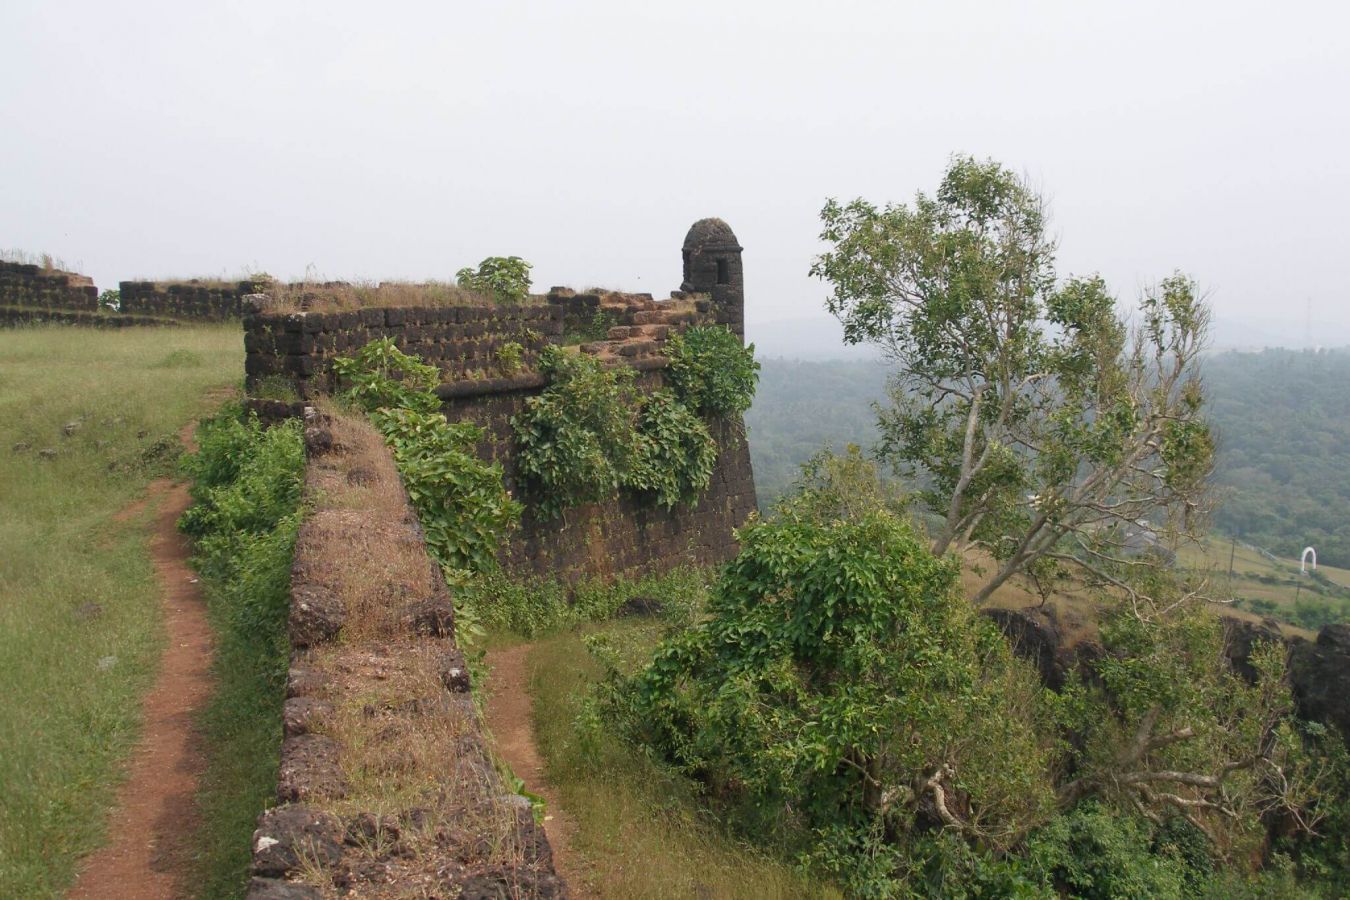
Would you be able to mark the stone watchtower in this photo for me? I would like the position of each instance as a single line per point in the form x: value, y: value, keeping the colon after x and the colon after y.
x: 712, y: 265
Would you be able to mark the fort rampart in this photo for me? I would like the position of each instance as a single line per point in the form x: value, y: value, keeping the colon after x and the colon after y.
x: 603, y: 539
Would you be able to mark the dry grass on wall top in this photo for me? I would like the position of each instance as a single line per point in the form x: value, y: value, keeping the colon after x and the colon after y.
x: 358, y: 537
x: 342, y: 296
x: 51, y: 265
x: 410, y: 757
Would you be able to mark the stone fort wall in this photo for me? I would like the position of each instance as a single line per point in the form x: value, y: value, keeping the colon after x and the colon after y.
x: 36, y: 287
x: 623, y: 535
x: 208, y: 301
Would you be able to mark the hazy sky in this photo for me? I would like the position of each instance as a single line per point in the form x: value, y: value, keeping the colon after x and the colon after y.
x: 384, y: 140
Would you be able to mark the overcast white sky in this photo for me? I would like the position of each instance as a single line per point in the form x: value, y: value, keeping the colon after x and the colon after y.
x: 384, y: 140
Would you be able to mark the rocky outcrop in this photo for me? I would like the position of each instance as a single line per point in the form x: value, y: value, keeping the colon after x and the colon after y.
x: 1319, y: 671
x: 1320, y: 674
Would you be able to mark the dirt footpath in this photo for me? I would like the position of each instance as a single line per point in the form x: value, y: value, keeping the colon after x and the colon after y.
x: 156, y: 806
x: 509, y: 720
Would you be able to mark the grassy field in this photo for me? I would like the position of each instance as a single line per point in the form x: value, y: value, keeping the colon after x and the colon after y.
x: 1270, y: 586
x: 87, y: 418
x: 640, y: 833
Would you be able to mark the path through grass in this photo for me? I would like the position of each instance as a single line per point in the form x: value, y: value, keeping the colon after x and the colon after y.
x: 87, y: 418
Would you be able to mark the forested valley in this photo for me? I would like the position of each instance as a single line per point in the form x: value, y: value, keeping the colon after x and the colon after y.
x: 1282, y: 417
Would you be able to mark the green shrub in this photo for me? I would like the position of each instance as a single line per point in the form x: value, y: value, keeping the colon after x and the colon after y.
x: 381, y: 375
x: 1096, y: 854
x: 245, y: 516
x: 504, y: 278
x: 245, y: 478
x: 838, y: 668
x: 461, y: 502
x: 576, y: 441
x: 711, y: 371
x: 464, y: 509
x: 675, y: 453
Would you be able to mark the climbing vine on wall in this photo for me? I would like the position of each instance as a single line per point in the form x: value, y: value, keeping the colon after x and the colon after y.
x: 460, y: 500
x: 590, y: 434
x: 576, y: 442
x: 675, y: 452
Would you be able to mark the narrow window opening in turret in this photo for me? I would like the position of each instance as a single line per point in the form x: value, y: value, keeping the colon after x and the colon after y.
x: 722, y: 276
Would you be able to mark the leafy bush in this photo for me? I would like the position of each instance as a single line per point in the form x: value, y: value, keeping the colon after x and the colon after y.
x: 381, y: 375
x: 245, y: 479
x: 576, y: 441
x: 245, y: 516
x: 110, y: 299
x: 675, y: 452
x: 841, y: 675
x: 1094, y: 853
x: 460, y: 500
x: 711, y: 372
x: 504, y: 278
x: 464, y: 509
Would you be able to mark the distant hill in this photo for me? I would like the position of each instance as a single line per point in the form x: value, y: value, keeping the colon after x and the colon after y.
x: 1283, y: 418
x: 1284, y: 453
x: 804, y: 405
x: 818, y: 338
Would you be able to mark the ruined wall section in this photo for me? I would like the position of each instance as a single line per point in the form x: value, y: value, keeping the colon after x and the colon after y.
x: 208, y: 301
x: 623, y: 535
x: 32, y: 287
x: 462, y: 341
x: 386, y: 784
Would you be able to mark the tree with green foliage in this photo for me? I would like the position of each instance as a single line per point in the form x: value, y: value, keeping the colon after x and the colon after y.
x: 840, y: 674
x: 1046, y: 427
x: 838, y: 681
x: 1165, y: 727
x: 506, y: 279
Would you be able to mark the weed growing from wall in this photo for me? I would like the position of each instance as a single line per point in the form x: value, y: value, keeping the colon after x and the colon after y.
x: 382, y: 376
x: 460, y: 500
x: 589, y: 435
x: 510, y: 358
x: 505, y: 278
x: 463, y: 507
x: 597, y: 329
x: 675, y: 453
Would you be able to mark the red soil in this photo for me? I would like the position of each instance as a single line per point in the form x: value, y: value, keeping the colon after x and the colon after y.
x: 156, y: 806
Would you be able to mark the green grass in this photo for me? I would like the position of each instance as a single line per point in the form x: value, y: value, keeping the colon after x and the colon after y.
x: 247, y: 491
x: 641, y: 832
x: 78, y: 599
x: 1260, y: 584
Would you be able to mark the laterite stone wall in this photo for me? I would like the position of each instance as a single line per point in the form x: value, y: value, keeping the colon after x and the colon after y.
x: 199, y: 300
x: 300, y: 347
x: 624, y: 535
x: 34, y: 287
